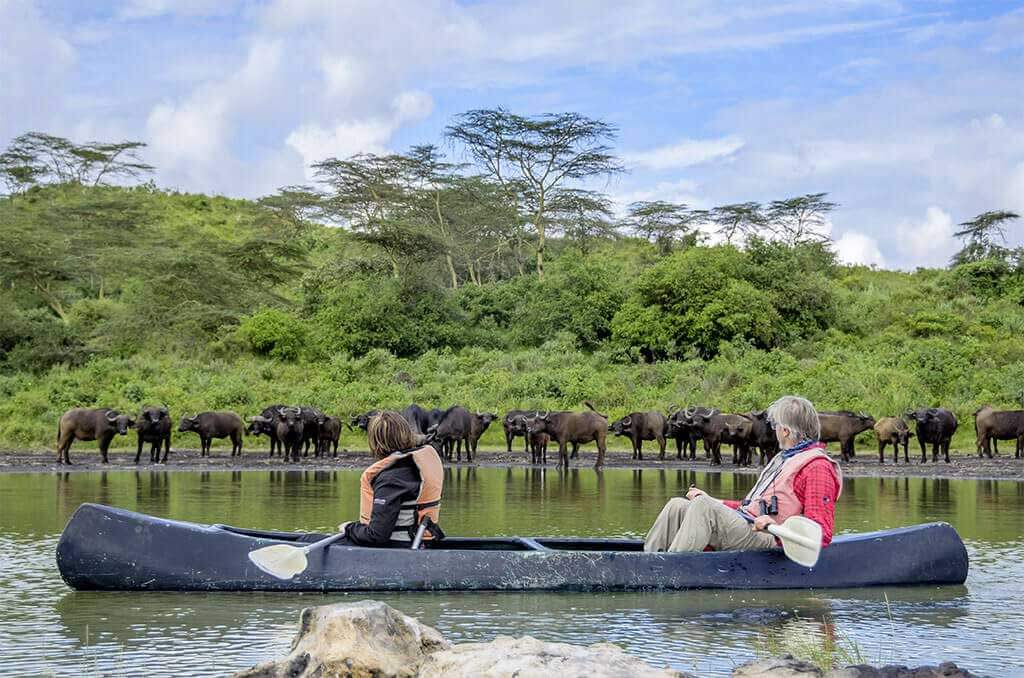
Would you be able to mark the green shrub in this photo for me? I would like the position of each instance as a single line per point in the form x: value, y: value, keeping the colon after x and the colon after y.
x: 274, y: 333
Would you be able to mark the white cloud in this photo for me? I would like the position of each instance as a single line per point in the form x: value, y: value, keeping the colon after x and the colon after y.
x: 685, y: 153
x: 147, y: 9
x: 930, y: 240
x: 855, y: 247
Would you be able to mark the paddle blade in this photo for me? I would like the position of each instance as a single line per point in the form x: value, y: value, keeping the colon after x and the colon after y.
x: 801, y: 540
x: 280, y: 560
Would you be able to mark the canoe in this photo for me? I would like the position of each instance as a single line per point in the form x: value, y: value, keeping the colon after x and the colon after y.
x: 107, y: 548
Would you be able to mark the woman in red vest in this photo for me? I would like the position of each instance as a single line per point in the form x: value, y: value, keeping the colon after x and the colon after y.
x: 801, y: 480
x: 399, y: 490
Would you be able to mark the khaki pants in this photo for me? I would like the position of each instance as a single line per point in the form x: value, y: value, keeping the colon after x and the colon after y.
x: 685, y: 525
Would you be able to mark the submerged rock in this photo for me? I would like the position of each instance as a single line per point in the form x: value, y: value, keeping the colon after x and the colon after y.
x: 787, y: 666
x: 370, y: 638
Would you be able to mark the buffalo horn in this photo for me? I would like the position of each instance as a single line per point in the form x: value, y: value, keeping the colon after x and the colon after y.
x: 933, y: 411
x: 690, y: 411
x: 627, y: 420
x: 672, y: 409
x: 112, y: 415
x: 545, y: 415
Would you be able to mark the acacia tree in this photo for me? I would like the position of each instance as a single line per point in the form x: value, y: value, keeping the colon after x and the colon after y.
x: 800, y: 219
x: 582, y: 216
x: 536, y: 156
x: 739, y: 220
x: 663, y: 223
x: 35, y: 158
x: 979, y: 235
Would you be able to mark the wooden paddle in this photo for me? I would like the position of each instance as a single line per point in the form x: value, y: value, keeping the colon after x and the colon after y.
x: 284, y: 561
x: 800, y: 537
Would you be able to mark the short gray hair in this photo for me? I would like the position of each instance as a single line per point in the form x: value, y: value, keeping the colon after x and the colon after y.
x: 798, y: 415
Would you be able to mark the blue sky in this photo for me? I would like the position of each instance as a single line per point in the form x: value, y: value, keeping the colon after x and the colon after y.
x: 909, y: 114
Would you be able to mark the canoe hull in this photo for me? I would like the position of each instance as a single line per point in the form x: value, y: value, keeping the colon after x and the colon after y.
x: 105, y: 548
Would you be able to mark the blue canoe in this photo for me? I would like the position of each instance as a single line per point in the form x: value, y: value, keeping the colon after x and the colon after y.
x: 106, y: 548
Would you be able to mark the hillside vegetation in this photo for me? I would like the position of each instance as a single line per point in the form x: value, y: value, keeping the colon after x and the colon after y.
x: 120, y: 297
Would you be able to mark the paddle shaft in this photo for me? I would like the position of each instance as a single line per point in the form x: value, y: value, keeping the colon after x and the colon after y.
x: 317, y: 545
x: 783, y: 533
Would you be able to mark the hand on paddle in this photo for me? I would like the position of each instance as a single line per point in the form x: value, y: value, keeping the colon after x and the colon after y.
x: 341, y: 528
x: 761, y: 523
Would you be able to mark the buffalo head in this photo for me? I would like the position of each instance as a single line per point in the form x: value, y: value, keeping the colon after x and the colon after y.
x: 622, y: 426
x: 188, y: 423
x: 122, y: 422
x: 539, y: 422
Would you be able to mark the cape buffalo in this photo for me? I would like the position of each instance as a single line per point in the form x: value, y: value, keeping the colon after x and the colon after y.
x: 477, y: 425
x: 991, y: 425
x: 893, y: 430
x: 538, y: 443
x: 312, y: 420
x: 641, y: 426
x: 154, y: 427
x: 420, y: 419
x: 361, y: 421
x: 843, y: 427
x: 454, y: 428
x: 762, y: 436
x: 514, y: 423
x: 210, y: 425
x: 290, y: 430
x: 572, y: 428
x: 719, y: 428
x: 330, y: 433
x: 935, y: 425
x: 685, y: 430
x: 265, y: 423
x: 100, y: 424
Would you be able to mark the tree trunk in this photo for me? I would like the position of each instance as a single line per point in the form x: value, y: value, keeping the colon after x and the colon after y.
x: 451, y: 270
x: 538, y: 225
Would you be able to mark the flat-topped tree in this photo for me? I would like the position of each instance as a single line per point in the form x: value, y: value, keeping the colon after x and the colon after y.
x: 800, y: 219
x: 664, y: 223
x: 36, y: 158
x: 739, y: 220
x: 537, y: 155
x: 979, y: 235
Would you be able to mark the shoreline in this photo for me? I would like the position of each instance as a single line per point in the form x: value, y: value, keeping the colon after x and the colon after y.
x: 962, y: 467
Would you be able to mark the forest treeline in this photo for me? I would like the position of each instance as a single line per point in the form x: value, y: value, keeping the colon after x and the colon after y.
x: 501, y: 282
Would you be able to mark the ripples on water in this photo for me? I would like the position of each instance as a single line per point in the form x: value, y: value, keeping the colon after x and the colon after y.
x: 47, y: 628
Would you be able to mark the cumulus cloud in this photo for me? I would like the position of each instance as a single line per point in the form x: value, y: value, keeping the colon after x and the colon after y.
x: 854, y: 247
x: 929, y: 240
x: 685, y: 153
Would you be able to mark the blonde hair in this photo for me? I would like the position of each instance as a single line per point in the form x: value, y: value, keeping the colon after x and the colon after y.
x: 389, y: 432
x: 798, y: 415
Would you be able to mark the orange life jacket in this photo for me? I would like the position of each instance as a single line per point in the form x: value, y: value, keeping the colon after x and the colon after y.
x: 428, y: 501
x: 777, y: 481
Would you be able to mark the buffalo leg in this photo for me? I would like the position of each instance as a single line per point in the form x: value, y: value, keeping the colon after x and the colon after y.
x: 469, y: 451
x: 945, y: 448
x: 63, y: 447
x: 167, y: 448
x: 716, y: 454
x: 575, y: 451
x: 600, y: 440
x: 563, y: 454
x: 138, y: 451
x: 104, y: 448
x: 924, y: 450
x: 661, y: 448
x: 638, y: 453
x: 508, y: 441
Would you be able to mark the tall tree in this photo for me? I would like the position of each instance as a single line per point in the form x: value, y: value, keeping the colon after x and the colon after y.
x: 800, y: 219
x: 582, y: 216
x: 35, y: 158
x: 664, y: 223
x: 739, y: 220
x: 537, y: 154
x: 979, y: 236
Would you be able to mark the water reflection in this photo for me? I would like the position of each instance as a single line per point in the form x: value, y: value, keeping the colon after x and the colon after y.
x: 219, y: 633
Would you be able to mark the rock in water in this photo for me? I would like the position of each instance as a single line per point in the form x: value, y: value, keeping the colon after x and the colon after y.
x: 528, y: 657
x: 367, y: 638
x: 786, y: 666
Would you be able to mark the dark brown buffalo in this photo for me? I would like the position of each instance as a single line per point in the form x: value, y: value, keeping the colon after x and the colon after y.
x: 452, y: 431
x: 477, y: 425
x: 312, y: 420
x: 514, y: 423
x: 641, y: 426
x: 100, y: 424
x: 210, y: 425
x: 290, y: 430
x: 686, y: 431
x: 935, y: 425
x: 991, y: 425
x: 762, y: 436
x: 361, y: 421
x: 895, y: 431
x: 843, y: 427
x: 154, y: 427
x: 572, y: 428
x: 330, y: 434
x: 265, y: 423
x: 538, y: 447
x: 719, y: 428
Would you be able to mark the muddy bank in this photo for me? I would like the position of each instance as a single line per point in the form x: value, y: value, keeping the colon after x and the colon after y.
x: 962, y: 465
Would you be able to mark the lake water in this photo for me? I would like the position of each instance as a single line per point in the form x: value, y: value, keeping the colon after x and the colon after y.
x: 47, y: 628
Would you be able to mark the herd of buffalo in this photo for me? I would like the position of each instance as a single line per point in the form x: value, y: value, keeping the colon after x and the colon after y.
x: 294, y: 430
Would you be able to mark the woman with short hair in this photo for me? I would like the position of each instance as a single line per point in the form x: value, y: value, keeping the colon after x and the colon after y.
x: 399, y: 490
x: 801, y: 480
